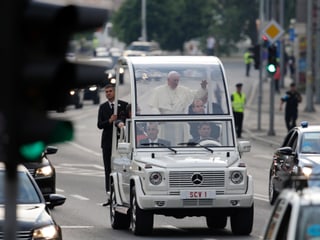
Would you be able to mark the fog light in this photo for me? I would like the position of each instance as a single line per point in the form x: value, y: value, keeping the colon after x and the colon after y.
x: 160, y: 203
x: 234, y: 202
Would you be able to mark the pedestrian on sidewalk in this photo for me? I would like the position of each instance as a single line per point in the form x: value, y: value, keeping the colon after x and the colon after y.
x: 292, y: 99
x: 248, y: 59
x: 238, y: 100
x: 276, y: 78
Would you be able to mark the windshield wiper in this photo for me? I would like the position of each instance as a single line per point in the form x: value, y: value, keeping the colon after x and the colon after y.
x: 196, y: 144
x: 159, y: 144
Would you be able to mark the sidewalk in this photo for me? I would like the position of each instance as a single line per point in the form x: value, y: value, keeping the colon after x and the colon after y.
x: 250, y: 126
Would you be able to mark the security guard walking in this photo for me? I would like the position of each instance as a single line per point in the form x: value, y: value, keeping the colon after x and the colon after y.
x: 248, y: 59
x: 238, y: 100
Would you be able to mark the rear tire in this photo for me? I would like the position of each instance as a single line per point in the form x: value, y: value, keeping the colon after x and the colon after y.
x: 118, y: 220
x: 242, y: 221
x: 141, y: 220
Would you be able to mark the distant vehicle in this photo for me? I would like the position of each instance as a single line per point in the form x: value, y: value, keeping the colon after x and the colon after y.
x: 34, y: 219
x: 140, y: 48
x: 92, y: 93
x: 44, y: 172
x: 297, y: 156
x: 295, y: 215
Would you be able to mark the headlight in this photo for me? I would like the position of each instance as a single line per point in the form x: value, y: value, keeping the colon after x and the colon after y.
x: 306, y: 171
x: 48, y: 232
x: 155, y: 178
x: 236, y: 177
x: 72, y: 92
x: 93, y: 88
x: 44, y: 171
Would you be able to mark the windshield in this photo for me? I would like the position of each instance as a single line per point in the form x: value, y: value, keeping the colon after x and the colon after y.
x: 310, y: 143
x: 180, y: 89
x: 26, y: 190
x: 184, y: 134
x: 308, y: 226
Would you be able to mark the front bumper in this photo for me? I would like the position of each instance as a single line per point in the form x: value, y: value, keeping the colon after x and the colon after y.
x: 157, y: 202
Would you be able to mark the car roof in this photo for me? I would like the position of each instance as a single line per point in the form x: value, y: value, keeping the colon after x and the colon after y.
x: 175, y: 60
x: 304, y: 197
x: 309, y: 128
x: 20, y: 167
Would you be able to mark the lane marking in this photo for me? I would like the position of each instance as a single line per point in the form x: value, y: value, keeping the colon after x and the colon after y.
x: 79, y: 197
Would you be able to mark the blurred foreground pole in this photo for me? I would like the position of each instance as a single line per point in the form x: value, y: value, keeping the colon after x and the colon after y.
x: 11, y: 13
x: 36, y: 77
x: 317, y: 61
x: 309, y: 78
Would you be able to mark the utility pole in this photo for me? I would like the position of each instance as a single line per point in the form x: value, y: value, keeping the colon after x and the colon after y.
x: 144, y: 20
x: 282, y: 53
x: 309, y: 78
x: 317, y: 60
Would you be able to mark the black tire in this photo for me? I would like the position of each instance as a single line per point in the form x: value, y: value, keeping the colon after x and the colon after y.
x: 96, y: 100
x: 242, y: 221
x: 141, y: 220
x: 273, y: 194
x: 216, y: 222
x: 118, y: 220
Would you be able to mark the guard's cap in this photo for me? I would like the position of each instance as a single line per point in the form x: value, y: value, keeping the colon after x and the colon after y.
x: 239, y: 85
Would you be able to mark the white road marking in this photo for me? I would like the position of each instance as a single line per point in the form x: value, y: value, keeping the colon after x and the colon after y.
x: 79, y: 197
x: 76, y: 227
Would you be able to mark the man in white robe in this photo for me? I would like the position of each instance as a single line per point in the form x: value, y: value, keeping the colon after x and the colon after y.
x: 173, y: 98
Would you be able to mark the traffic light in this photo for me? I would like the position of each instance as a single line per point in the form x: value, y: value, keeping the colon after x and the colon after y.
x: 272, y: 59
x: 45, y: 76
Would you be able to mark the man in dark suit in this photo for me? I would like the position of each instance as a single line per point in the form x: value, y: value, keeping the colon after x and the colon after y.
x: 106, y: 118
x: 153, y: 140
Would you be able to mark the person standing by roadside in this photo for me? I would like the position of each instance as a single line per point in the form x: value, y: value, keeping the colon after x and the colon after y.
x: 210, y: 45
x: 106, y: 120
x: 238, y: 100
x: 248, y: 59
x: 276, y: 78
x: 292, y: 99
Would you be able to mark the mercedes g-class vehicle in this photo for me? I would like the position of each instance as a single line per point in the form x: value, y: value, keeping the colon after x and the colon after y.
x: 177, y: 154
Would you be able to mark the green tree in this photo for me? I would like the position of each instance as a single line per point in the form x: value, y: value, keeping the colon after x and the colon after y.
x: 171, y: 23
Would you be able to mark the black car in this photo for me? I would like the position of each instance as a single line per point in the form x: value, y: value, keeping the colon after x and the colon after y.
x: 44, y: 172
x: 75, y: 98
x: 92, y: 93
x: 298, y: 156
x: 34, y: 220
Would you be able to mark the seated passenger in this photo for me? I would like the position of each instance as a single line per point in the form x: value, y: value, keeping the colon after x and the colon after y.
x: 152, y: 137
x: 204, y: 132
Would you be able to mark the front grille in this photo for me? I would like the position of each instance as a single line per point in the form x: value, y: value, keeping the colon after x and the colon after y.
x: 177, y: 193
x: 21, y: 235
x: 183, y: 179
x: 197, y: 202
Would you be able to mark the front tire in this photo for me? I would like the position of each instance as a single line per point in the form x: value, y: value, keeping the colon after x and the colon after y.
x: 141, y: 220
x: 216, y: 222
x: 273, y: 194
x: 242, y: 221
x: 118, y: 220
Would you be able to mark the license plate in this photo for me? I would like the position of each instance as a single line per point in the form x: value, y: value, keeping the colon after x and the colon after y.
x: 186, y: 194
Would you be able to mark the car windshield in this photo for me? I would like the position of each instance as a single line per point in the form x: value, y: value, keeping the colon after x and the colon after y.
x: 310, y: 143
x: 194, y: 88
x: 144, y: 48
x: 308, y: 226
x: 184, y: 133
x: 26, y: 190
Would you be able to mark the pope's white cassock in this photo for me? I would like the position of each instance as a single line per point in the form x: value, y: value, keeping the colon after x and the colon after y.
x: 166, y: 100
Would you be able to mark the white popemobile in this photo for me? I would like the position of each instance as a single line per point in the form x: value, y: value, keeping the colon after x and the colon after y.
x: 171, y: 160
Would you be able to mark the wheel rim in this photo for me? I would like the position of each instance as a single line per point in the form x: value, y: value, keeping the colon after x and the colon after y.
x: 133, y: 213
x: 112, y: 206
x: 271, y: 190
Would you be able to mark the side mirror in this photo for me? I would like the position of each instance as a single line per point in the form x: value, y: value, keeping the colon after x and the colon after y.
x: 244, y: 146
x: 51, y: 150
x: 55, y: 200
x: 285, y: 151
